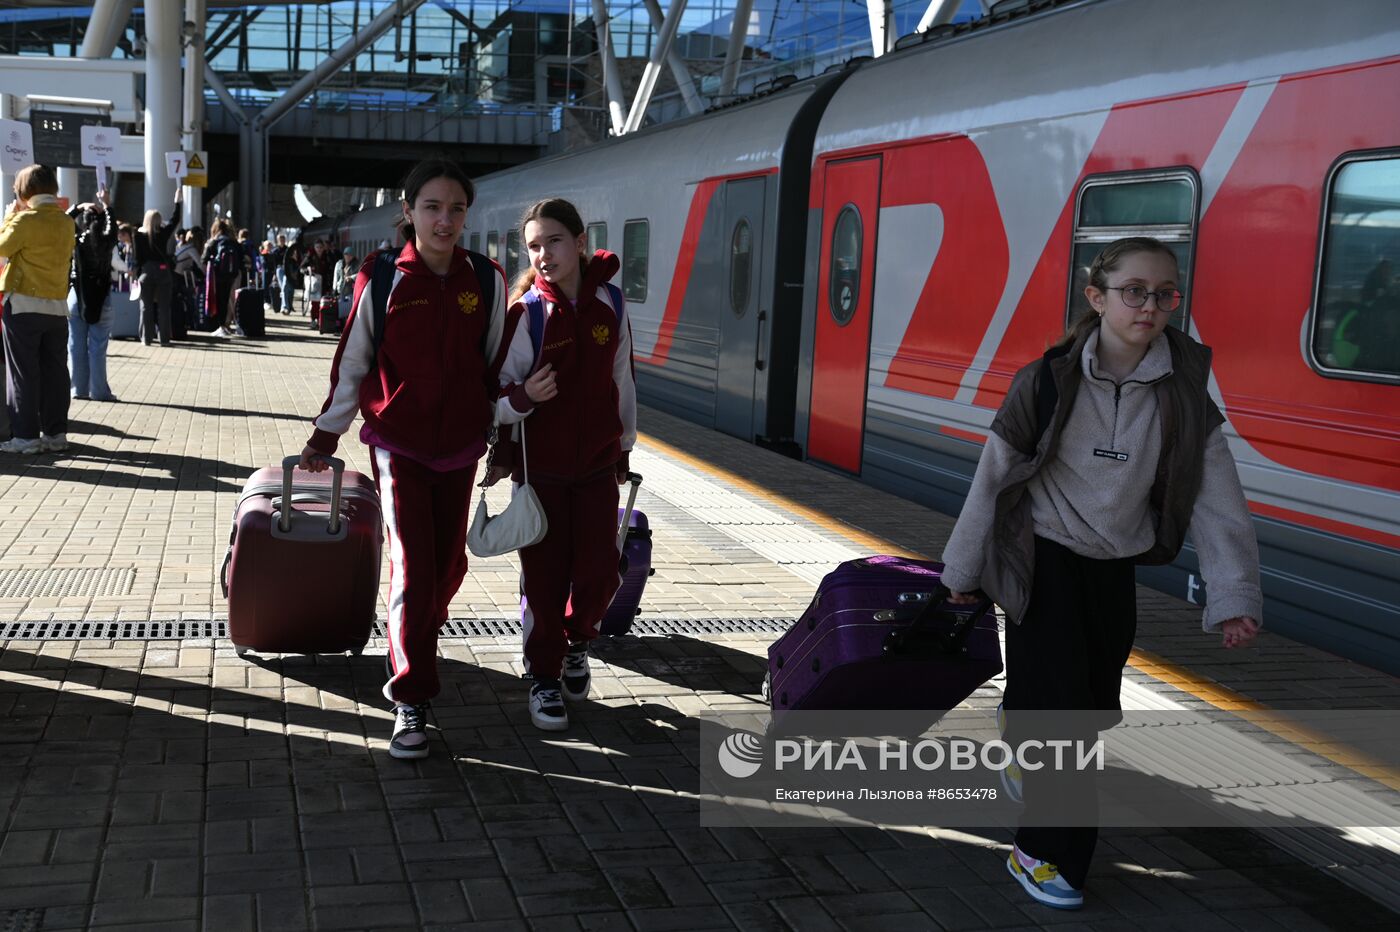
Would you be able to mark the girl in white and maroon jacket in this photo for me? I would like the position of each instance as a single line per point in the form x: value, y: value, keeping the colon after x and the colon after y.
x: 426, y: 394
x: 576, y: 401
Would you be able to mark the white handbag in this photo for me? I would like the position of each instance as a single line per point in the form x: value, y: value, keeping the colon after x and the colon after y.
x: 522, y: 524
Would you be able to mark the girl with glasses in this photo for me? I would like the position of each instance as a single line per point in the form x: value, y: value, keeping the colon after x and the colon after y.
x: 1103, y: 454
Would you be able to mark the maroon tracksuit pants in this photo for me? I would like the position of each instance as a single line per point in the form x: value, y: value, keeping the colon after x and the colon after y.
x: 426, y: 514
x: 570, y: 577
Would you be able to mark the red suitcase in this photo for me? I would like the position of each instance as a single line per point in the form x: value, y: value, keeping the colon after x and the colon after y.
x: 303, y: 579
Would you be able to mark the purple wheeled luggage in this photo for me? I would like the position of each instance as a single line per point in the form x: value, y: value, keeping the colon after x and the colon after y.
x: 879, y: 635
x: 634, y: 542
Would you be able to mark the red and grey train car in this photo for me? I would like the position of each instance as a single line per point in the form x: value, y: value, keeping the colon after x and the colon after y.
x: 852, y: 268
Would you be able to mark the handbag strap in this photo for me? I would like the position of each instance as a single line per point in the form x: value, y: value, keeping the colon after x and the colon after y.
x: 491, y: 453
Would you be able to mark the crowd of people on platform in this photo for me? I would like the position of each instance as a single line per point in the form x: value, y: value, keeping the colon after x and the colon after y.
x: 68, y: 274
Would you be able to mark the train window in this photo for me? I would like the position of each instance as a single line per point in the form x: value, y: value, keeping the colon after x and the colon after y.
x: 493, y: 246
x: 740, y: 267
x: 1356, y: 323
x: 636, y: 247
x: 512, y: 254
x: 1160, y: 204
x: 846, y: 239
x: 474, y: 242
x: 597, y: 237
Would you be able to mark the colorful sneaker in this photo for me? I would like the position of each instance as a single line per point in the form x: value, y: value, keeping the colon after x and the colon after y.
x: 1042, y: 881
x: 547, y: 710
x: 576, y: 676
x: 53, y: 443
x: 410, y: 738
x: 1011, y: 773
x: 17, y: 445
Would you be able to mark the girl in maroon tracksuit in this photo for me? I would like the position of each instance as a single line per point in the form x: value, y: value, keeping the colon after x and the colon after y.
x: 425, y: 388
x: 576, y: 402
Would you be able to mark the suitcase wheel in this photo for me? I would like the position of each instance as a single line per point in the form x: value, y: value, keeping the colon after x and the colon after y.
x: 637, y: 613
x: 242, y: 651
x: 767, y: 690
x: 357, y: 651
x: 652, y: 571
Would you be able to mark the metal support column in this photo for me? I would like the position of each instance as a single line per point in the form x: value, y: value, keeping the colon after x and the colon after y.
x: 738, y: 38
x: 612, y: 81
x: 881, y: 25
x: 659, y: 51
x: 679, y: 71
x: 163, y: 31
x: 192, y: 135
x: 938, y: 13
x: 105, y: 26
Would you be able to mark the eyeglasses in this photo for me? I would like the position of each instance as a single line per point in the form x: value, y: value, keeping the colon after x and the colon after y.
x: 1135, y: 296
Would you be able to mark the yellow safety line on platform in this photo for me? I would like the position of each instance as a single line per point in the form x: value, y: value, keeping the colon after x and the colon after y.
x: 1162, y: 670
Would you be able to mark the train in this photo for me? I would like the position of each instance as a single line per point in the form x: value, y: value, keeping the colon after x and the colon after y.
x: 850, y: 268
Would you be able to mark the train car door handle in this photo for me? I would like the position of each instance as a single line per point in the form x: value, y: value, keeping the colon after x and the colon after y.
x: 758, y: 360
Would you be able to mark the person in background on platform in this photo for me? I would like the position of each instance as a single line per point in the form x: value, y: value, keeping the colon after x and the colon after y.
x: 37, y: 239
x: 252, y: 262
x: 319, y: 267
x: 123, y: 257
x: 425, y: 387
x: 1052, y: 529
x: 291, y: 272
x: 577, y: 405
x: 156, y: 269
x: 276, y: 256
x: 344, y: 277
x: 89, y: 312
x: 223, y: 276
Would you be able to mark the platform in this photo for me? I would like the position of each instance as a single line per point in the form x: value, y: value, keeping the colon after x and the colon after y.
x: 150, y: 779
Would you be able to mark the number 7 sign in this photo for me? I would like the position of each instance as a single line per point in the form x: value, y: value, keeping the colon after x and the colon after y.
x: 175, y: 165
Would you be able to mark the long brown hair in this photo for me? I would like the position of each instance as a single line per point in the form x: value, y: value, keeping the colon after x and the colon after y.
x: 1107, y: 261
x: 551, y: 208
x: 420, y: 175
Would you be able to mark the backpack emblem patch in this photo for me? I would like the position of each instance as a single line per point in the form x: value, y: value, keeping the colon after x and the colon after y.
x: 468, y: 302
x: 601, y: 334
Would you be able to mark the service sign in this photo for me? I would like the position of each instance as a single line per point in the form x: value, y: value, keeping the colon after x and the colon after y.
x: 18, y: 149
x: 100, y: 144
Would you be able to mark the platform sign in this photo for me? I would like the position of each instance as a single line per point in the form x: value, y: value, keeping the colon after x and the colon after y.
x: 58, y: 137
x: 100, y: 144
x: 176, y: 165
x: 197, y: 169
x: 16, y: 146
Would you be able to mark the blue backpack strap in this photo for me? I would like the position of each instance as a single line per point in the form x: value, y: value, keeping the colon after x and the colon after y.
x: 534, y: 307
x: 381, y: 282
x: 485, y: 278
x: 615, y: 293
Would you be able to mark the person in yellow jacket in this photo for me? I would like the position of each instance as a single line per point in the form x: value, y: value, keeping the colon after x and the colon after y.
x: 37, y: 238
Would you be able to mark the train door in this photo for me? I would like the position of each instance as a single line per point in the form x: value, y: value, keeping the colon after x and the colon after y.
x: 845, y: 286
x: 740, y: 313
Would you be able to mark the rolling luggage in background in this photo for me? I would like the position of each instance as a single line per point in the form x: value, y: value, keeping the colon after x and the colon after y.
x: 252, y: 316
x: 879, y: 635
x: 126, y: 315
x: 304, y: 579
x: 634, y: 541
x: 325, y: 316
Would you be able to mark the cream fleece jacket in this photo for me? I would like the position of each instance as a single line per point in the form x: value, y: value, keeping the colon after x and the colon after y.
x: 1092, y: 495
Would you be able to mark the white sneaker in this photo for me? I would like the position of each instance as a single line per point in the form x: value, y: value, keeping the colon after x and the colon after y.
x: 576, y: 677
x: 55, y: 443
x: 222, y: 332
x: 409, y: 740
x: 547, y: 710
x: 18, y: 445
x: 238, y: 331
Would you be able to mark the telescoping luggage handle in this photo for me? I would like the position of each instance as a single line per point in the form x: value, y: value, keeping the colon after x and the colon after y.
x: 284, y: 518
x: 636, y: 480
x: 923, y: 608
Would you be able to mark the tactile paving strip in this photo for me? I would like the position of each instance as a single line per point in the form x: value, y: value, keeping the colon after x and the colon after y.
x: 66, y: 582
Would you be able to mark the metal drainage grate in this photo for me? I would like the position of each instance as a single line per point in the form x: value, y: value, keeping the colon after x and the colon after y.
x: 456, y: 628
x: 71, y: 581
x: 111, y: 630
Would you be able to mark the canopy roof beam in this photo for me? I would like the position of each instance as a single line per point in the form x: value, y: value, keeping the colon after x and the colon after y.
x: 659, y: 50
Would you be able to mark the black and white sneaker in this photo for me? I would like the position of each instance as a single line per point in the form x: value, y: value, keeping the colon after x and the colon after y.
x: 547, y: 710
x: 410, y: 738
x: 576, y: 676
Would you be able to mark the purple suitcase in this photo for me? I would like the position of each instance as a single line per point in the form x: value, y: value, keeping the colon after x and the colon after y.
x: 879, y: 635
x: 634, y: 541
x: 304, y: 579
